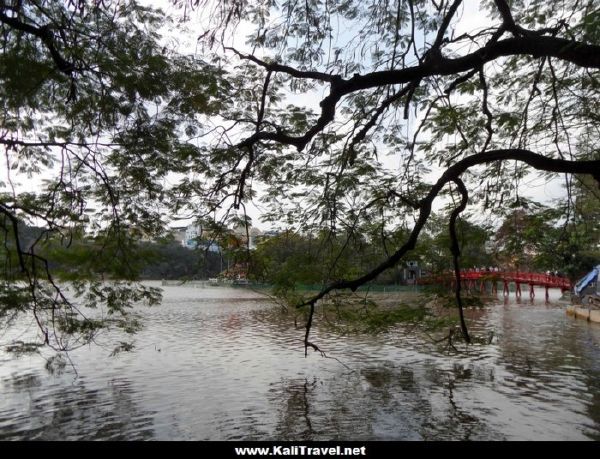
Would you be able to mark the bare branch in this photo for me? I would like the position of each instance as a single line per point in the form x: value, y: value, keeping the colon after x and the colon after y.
x: 377, y: 113
x: 275, y: 67
x: 444, y: 26
x: 486, y: 110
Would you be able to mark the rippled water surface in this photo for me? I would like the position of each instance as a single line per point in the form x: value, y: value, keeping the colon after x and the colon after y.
x: 223, y: 364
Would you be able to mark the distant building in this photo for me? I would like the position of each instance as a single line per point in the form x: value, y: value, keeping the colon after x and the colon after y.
x: 247, y: 237
x: 412, y: 272
x: 178, y: 234
x: 211, y: 246
x: 192, y: 236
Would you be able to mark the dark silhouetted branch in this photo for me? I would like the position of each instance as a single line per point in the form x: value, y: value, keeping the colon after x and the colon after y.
x: 454, y: 172
x: 455, y: 249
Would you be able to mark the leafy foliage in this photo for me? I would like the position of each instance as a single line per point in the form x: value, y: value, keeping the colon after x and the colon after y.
x: 332, y: 116
x: 95, y: 113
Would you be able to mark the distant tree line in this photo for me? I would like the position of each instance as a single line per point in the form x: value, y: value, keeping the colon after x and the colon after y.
x: 169, y: 260
x: 162, y: 259
x: 530, y: 237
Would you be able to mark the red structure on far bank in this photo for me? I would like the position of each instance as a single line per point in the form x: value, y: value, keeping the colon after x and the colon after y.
x: 473, y: 279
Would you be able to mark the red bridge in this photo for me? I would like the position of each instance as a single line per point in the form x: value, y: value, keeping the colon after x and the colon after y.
x: 476, y: 279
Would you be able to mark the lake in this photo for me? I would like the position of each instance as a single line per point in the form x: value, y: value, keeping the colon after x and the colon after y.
x: 220, y: 363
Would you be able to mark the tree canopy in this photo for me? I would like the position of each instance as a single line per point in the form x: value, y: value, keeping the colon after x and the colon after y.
x: 328, y: 115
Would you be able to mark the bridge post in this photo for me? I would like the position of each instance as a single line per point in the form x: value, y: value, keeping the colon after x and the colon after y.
x: 531, y: 291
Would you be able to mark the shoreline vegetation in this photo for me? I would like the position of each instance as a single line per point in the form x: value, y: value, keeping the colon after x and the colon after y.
x: 375, y: 309
x: 377, y: 312
x: 431, y: 315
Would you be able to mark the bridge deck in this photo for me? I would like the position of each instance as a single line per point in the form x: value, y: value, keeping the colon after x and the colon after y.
x: 472, y: 277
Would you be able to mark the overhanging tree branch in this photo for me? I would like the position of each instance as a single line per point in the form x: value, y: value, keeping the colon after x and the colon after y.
x: 45, y: 34
x: 444, y: 26
x: 578, y: 53
x: 455, y: 249
x: 453, y: 173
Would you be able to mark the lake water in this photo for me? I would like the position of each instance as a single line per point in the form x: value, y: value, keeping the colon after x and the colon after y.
x: 224, y: 364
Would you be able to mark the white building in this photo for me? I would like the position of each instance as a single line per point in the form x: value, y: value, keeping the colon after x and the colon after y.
x: 192, y: 233
x: 195, y: 237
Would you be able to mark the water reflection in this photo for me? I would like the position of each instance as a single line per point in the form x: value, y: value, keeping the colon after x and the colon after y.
x: 382, y: 402
x: 293, y: 401
x: 226, y: 365
x: 71, y: 411
x: 456, y: 419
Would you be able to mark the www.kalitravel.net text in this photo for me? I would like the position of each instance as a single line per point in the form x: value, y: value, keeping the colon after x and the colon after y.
x: 301, y: 450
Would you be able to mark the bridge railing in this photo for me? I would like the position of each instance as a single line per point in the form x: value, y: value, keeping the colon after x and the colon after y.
x: 543, y: 280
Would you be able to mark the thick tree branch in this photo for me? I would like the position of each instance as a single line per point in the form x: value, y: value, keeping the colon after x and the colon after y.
x: 507, y: 17
x: 454, y: 172
x: 581, y: 54
x: 444, y: 26
x: 455, y: 249
x: 45, y: 34
x: 508, y: 22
